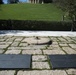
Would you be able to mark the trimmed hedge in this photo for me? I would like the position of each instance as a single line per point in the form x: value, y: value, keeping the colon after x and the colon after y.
x: 35, y: 25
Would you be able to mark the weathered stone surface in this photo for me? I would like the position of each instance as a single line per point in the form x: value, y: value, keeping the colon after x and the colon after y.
x: 53, y: 52
x: 2, y: 40
x: 34, y: 47
x: 23, y: 44
x: 3, y: 46
x: 67, y: 37
x: 54, y: 47
x: 40, y: 65
x: 6, y: 72
x: 30, y: 40
x: 31, y: 52
x: 54, y: 39
x: 12, y: 51
x: 10, y: 39
x: 73, y: 45
x: 43, y: 72
x: 18, y: 39
x: 74, y: 38
x: 61, y: 39
x: 39, y: 57
x: 54, y: 43
x: 1, y: 51
x: 15, y: 44
x: 70, y: 41
x: 22, y: 73
x: 33, y: 40
x: 15, y: 48
x: 8, y: 43
x: 71, y: 71
x: 69, y: 50
x: 1, y: 37
x: 8, y: 36
x: 63, y: 45
x: 2, y: 43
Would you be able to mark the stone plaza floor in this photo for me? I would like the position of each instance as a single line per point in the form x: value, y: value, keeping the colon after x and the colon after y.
x: 10, y: 44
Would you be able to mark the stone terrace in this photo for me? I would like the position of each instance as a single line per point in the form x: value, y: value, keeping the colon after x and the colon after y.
x: 40, y: 61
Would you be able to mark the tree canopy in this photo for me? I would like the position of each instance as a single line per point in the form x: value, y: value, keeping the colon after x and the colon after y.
x: 12, y: 1
x: 69, y: 6
x: 1, y: 1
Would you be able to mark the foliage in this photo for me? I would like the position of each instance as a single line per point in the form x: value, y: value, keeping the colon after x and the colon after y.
x: 1, y: 1
x: 35, y: 25
x: 69, y: 6
x: 12, y: 1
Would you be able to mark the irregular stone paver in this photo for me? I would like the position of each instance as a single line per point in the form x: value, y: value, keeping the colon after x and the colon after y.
x: 71, y: 71
x: 3, y: 46
x: 40, y: 65
x: 10, y: 39
x: 6, y: 72
x: 54, y: 39
x: 31, y: 52
x: 33, y: 47
x: 63, y: 45
x: 54, y: 43
x: 2, y: 43
x: 23, y: 44
x: 69, y: 50
x: 15, y: 48
x: 1, y: 40
x: 54, y: 47
x: 18, y: 39
x: 39, y: 57
x: 8, y: 43
x: 1, y: 51
x: 53, y: 52
x: 1, y: 37
x: 67, y: 37
x: 29, y: 40
x: 12, y: 51
x: 15, y: 44
x: 61, y: 39
x: 43, y: 72
x: 73, y: 45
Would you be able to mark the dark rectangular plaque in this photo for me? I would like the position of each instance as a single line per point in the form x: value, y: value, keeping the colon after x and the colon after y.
x: 63, y: 61
x: 12, y: 61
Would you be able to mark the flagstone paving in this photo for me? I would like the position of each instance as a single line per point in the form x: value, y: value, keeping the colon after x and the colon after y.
x: 37, y: 47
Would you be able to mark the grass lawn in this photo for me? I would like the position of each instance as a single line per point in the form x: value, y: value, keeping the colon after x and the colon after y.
x: 31, y: 12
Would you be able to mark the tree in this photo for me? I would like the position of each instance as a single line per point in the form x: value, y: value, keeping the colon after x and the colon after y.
x: 1, y: 1
x: 69, y: 6
x: 12, y: 1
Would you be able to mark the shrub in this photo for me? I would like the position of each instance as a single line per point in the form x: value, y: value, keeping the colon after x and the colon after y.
x: 35, y: 25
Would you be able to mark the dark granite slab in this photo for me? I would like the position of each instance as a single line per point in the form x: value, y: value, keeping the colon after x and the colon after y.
x: 15, y: 61
x: 63, y: 61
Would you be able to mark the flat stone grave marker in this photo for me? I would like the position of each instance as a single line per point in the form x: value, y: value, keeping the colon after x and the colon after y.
x: 12, y: 61
x: 63, y: 61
